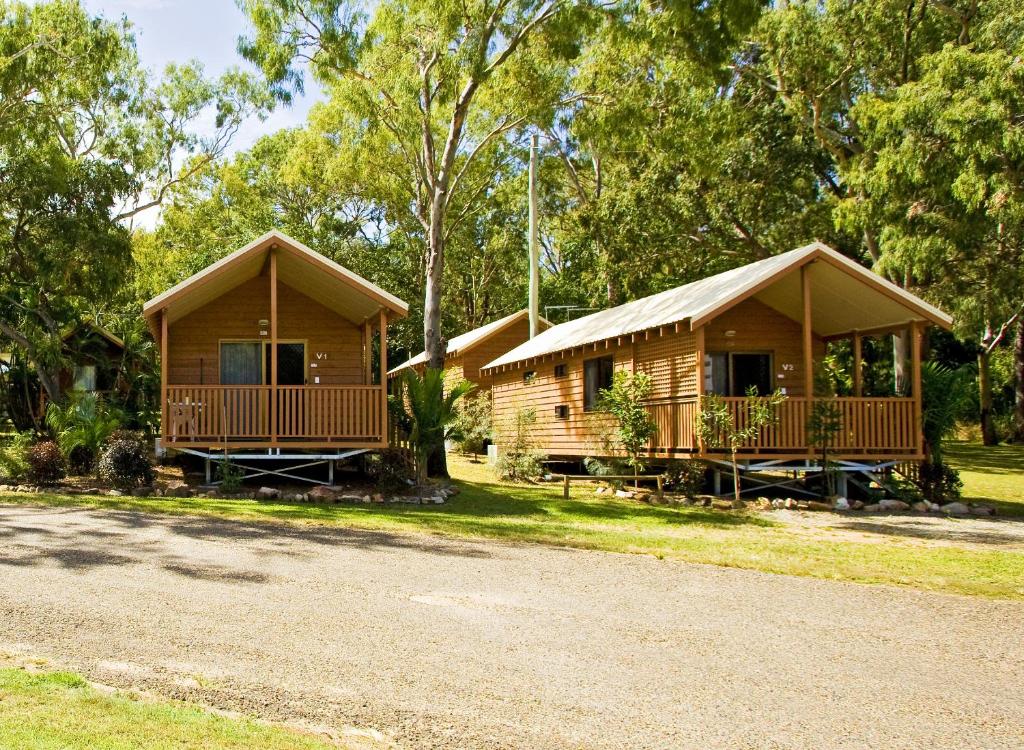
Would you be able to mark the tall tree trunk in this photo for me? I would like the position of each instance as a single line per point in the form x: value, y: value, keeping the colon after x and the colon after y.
x: 1018, y: 373
x: 433, y: 341
x: 988, y: 428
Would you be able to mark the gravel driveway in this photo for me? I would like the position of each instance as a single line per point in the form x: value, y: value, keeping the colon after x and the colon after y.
x: 440, y: 643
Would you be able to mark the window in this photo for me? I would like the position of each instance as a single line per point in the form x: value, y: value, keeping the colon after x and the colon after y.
x: 732, y: 373
x: 529, y: 376
x: 240, y: 363
x: 560, y: 371
x: 597, y: 376
x: 85, y: 378
x: 561, y: 411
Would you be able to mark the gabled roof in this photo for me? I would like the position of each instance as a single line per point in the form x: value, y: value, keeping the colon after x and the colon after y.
x: 96, y: 328
x: 462, y: 343
x: 845, y: 297
x: 299, y: 267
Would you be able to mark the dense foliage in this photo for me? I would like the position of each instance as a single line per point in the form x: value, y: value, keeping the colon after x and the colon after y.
x: 125, y: 461
x: 46, y: 464
x: 677, y: 140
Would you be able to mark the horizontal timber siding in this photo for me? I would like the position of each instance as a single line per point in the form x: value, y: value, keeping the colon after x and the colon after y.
x: 195, y: 339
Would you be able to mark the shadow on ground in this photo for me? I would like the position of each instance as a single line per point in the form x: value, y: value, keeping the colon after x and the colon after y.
x: 997, y: 532
x: 89, y: 538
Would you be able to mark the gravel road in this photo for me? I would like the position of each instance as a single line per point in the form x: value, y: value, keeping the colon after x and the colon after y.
x: 457, y: 644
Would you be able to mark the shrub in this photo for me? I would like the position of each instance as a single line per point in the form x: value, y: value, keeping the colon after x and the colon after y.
x: 14, y: 457
x: 686, y: 476
x: 45, y: 463
x: 473, y: 423
x: 939, y: 483
x: 391, y: 469
x: 230, y: 476
x: 518, y: 460
x: 125, y: 461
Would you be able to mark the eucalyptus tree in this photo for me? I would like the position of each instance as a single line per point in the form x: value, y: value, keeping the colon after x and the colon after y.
x: 675, y: 166
x: 86, y: 143
x: 821, y: 58
x: 947, y: 182
x: 423, y: 88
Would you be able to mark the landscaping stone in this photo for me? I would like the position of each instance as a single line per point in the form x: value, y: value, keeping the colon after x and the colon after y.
x: 374, y: 498
x: 873, y: 508
x: 178, y: 488
x: 320, y: 494
x: 819, y: 506
x: 453, y: 491
x: 890, y: 504
x: 790, y: 503
x: 351, y: 498
x: 983, y: 510
x: 115, y: 493
x: 956, y: 509
x: 268, y: 493
x: 857, y: 505
x: 599, y: 491
x: 841, y: 503
x: 623, y: 494
x: 142, y: 491
x: 299, y: 497
x: 720, y: 504
x: 778, y: 503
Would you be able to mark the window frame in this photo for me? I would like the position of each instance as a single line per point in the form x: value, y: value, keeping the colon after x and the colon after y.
x: 731, y: 370
x: 591, y: 404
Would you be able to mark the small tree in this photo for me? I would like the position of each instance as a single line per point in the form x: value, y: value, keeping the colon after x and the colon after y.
x: 823, y: 424
x: 625, y: 402
x: 717, y: 428
x: 473, y: 424
x: 518, y: 459
x: 431, y: 412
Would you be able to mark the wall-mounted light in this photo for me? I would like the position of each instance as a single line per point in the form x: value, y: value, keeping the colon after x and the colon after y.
x: 730, y: 334
x: 264, y: 325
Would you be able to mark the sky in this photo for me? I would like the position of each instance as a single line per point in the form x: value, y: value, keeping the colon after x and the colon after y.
x: 205, y: 30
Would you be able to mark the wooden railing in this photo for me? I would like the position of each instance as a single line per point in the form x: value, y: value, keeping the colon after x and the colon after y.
x: 219, y: 413
x: 867, y: 426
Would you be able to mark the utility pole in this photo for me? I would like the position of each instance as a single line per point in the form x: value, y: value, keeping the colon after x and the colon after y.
x: 534, y: 303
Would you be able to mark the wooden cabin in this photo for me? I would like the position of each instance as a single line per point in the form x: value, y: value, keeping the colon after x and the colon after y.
x: 94, y: 359
x: 765, y: 324
x: 271, y: 347
x: 468, y: 352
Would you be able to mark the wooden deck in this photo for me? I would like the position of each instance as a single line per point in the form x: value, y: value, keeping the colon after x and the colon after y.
x: 258, y: 416
x: 872, y: 428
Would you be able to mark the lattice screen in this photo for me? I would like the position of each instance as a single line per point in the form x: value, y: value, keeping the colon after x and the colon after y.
x: 671, y: 362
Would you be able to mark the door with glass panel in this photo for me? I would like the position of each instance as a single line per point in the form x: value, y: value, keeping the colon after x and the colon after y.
x: 291, y: 397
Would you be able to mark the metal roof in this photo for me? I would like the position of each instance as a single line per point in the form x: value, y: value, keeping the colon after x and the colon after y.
x: 853, y: 294
x: 464, y: 341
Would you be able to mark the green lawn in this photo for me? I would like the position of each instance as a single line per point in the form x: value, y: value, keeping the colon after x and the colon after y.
x: 60, y: 710
x: 487, y: 508
x: 991, y: 475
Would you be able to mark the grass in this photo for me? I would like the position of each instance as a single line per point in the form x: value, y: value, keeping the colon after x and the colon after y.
x: 489, y: 509
x: 60, y: 710
x: 993, y: 475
